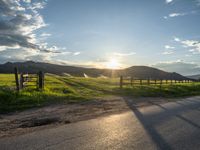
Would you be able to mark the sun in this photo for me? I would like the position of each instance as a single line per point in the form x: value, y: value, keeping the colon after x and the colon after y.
x: 113, y: 64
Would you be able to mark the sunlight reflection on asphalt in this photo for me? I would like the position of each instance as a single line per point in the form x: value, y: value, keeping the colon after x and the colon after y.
x: 172, y: 125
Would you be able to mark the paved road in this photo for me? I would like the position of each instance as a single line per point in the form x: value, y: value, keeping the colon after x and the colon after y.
x: 174, y: 125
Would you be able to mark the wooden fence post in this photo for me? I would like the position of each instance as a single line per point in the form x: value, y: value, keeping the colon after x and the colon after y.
x: 131, y: 81
x: 160, y: 83
x: 21, y: 81
x: 41, y: 80
x: 16, y: 78
x: 121, y: 81
x: 140, y: 82
x: 148, y: 81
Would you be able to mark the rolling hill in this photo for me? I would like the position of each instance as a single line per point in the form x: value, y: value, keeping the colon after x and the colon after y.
x: 135, y: 71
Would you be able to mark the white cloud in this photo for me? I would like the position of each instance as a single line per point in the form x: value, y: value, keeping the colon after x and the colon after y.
x: 169, y: 52
x: 77, y: 53
x: 168, y: 1
x: 165, y: 17
x: 172, y: 15
x: 27, y: 1
x: 177, y: 39
x: 169, y: 47
x: 191, y: 50
x: 37, y: 5
x: 4, y: 48
x: 45, y: 35
x: 188, y: 55
x: 176, y: 14
x: 25, y: 54
x: 124, y: 54
x: 53, y: 48
x: 193, y: 45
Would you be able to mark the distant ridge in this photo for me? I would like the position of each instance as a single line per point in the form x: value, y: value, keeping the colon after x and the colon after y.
x: 143, y: 72
x: 196, y: 77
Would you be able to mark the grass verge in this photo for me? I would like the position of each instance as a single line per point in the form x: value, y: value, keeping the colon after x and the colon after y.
x: 76, y: 89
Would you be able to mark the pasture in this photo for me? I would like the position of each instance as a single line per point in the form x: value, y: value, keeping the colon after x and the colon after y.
x: 65, y: 89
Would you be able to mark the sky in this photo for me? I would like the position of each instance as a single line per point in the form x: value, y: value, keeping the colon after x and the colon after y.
x: 103, y: 33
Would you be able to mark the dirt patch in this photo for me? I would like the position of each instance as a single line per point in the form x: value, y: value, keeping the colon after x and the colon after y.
x: 39, y: 122
x: 53, y: 115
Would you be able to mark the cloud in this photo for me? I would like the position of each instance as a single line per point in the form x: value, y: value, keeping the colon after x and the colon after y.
x: 168, y: 1
x: 19, y: 21
x: 25, y: 54
x: 3, y: 48
x: 176, y: 14
x: 169, y: 47
x: 124, y: 54
x: 198, y: 2
x: 179, y: 66
x: 17, y: 24
x: 188, y: 55
x: 172, y: 15
x: 169, y: 52
x: 193, y: 45
x: 10, y: 7
x: 27, y: 1
x: 45, y: 35
x: 14, y: 54
x: 37, y: 5
x: 177, y: 39
x: 77, y: 53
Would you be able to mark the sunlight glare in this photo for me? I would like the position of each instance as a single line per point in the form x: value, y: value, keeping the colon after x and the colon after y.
x: 113, y: 64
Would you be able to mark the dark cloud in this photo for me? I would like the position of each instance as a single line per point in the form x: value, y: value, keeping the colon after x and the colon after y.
x: 7, y: 7
x: 14, y: 39
x: 17, y: 24
x: 5, y: 25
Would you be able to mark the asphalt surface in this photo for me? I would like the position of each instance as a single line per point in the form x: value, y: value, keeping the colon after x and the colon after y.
x: 173, y: 125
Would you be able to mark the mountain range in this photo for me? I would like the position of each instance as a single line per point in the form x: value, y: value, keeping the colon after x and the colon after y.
x: 141, y: 72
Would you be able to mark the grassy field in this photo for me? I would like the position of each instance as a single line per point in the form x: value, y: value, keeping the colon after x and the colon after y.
x: 76, y: 89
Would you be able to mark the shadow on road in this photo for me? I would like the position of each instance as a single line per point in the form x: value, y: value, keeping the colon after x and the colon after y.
x: 151, y: 120
x: 181, y: 117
